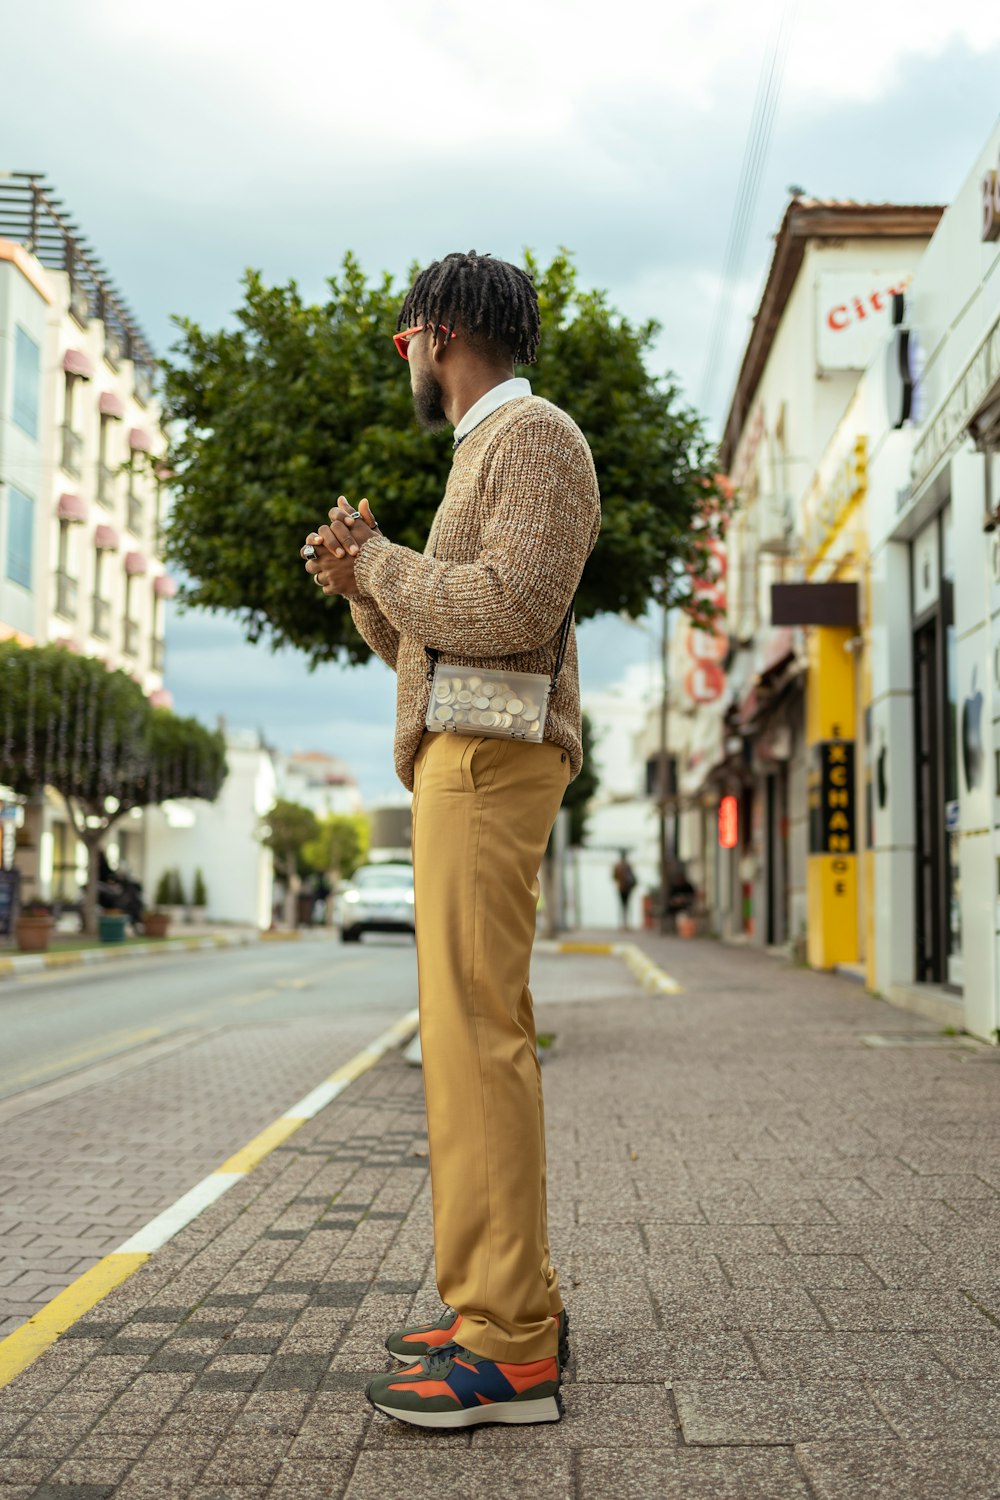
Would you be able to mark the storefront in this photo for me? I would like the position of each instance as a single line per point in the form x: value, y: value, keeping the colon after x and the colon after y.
x: 935, y: 626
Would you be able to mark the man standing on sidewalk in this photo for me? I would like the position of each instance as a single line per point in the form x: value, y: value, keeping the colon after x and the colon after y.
x: 519, y: 518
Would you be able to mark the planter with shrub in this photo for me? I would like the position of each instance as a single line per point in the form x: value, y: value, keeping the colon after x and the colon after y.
x: 33, y: 927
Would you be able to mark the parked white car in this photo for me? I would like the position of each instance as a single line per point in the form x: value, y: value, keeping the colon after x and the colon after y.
x: 379, y: 898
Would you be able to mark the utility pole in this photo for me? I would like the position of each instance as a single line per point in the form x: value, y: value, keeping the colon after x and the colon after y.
x: 663, y: 768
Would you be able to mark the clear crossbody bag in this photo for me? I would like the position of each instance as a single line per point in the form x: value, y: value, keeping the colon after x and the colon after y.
x: 487, y: 701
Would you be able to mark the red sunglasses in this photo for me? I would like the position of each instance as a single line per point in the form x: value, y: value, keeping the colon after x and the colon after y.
x: 401, y: 340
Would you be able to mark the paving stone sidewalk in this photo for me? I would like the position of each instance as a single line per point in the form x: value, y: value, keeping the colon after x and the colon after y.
x: 776, y: 1207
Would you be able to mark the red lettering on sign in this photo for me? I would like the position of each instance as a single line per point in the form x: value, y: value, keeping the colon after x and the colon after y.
x: 837, y: 318
x: 705, y: 682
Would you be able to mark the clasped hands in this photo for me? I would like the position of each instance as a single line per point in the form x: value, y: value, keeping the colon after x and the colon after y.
x: 338, y: 546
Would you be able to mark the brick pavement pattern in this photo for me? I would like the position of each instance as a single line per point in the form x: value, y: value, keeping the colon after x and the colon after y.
x: 779, y: 1245
x: 81, y: 1174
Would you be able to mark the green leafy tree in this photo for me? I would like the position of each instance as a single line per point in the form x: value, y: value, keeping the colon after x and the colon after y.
x: 289, y: 828
x: 68, y: 723
x: 341, y: 845
x: 338, y: 849
x: 300, y: 401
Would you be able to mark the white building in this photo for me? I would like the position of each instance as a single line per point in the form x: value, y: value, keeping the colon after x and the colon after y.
x: 323, y: 783
x: 930, y: 414
x: 746, y: 752
x: 80, y: 495
x: 621, y: 815
x: 222, y: 839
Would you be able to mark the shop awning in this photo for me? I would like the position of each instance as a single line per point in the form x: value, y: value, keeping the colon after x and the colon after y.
x: 106, y: 539
x: 164, y: 586
x: 75, y: 362
x: 135, y: 562
x: 112, y: 405
x: 161, y: 698
x: 72, y: 508
x: 139, y: 440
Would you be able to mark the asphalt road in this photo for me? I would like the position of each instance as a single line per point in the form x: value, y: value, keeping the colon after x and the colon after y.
x: 53, y: 1026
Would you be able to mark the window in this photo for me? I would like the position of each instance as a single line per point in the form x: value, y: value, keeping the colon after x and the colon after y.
x: 27, y: 365
x: 20, y: 536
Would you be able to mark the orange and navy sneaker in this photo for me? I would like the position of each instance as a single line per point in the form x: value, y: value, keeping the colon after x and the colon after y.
x: 411, y: 1344
x: 454, y: 1388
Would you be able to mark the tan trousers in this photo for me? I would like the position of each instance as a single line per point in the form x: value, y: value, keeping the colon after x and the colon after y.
x: 482, y: 813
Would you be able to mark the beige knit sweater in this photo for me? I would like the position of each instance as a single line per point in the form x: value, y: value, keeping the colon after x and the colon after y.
x: 519, y: 518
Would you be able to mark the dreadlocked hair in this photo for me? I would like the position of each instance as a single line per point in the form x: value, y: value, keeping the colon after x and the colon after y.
x: 495, y: 303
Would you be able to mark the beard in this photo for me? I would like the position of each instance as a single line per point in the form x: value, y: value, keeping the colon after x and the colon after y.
x: 427, y: 403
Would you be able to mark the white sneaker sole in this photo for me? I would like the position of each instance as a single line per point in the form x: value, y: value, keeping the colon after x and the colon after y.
x: 514, y: 1413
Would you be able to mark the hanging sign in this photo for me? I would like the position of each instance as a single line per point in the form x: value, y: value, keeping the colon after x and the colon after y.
x: 729, y: 822
x: 991, y: 206
x: 852, y: 316
x: 831, y: 798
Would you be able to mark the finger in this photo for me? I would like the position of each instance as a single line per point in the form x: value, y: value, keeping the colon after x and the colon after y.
x: 329, y: 540
x: 366, y: 515
x: 344, y: 509
x: 340, y: 525
x: 340, y: 531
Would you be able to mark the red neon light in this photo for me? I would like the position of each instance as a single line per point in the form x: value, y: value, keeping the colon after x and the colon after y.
x: 729, y: 822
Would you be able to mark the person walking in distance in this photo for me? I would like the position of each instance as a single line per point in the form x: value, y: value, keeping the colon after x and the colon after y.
x: 492, y: 594
x: 625, y: 879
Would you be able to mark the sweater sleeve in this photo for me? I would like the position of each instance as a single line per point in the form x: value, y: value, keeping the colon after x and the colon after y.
x: 542, y: 516
x: 374, y: 628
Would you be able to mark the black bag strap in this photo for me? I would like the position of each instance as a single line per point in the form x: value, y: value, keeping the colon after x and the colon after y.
x: 562, y: 645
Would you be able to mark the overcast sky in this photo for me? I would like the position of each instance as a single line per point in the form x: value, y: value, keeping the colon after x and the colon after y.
x: 192, y: 139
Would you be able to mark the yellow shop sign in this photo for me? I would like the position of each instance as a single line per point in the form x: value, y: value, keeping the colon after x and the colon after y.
x: 832, y: 497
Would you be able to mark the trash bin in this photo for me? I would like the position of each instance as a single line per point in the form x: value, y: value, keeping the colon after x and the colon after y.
x: 111, y: 927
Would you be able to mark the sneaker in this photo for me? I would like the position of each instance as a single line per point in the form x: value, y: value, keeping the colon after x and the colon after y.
x: 454, y: 1388
x: 410, y: 1344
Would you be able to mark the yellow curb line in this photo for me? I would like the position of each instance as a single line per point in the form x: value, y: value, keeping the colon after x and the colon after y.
x: 22, y: 1347
x: 651, y: 977
x: 62, y: 960
x: 281, y: 937
x: 6, y: 966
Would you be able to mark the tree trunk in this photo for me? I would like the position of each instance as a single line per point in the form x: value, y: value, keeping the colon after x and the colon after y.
x: 293, y: 884
x: 93, y: 844
x: 547, y: 875
x: 333, y: 880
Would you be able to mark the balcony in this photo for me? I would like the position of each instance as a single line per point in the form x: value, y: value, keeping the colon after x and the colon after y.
x: 131, y: 638
x: 106, y: 485
x: 135, y: 514
x: 101, y: 622
x: 72, y: 451
x: 143, y: 385
x: 114, y: 348
x: 158, y: 655
x: 79, y: 302
x: 67, y: 590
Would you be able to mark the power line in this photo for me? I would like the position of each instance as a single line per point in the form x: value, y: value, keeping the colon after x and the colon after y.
x: 754, y: 159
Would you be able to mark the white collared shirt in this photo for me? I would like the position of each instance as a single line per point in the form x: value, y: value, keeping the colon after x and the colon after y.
x: 507, y: 390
